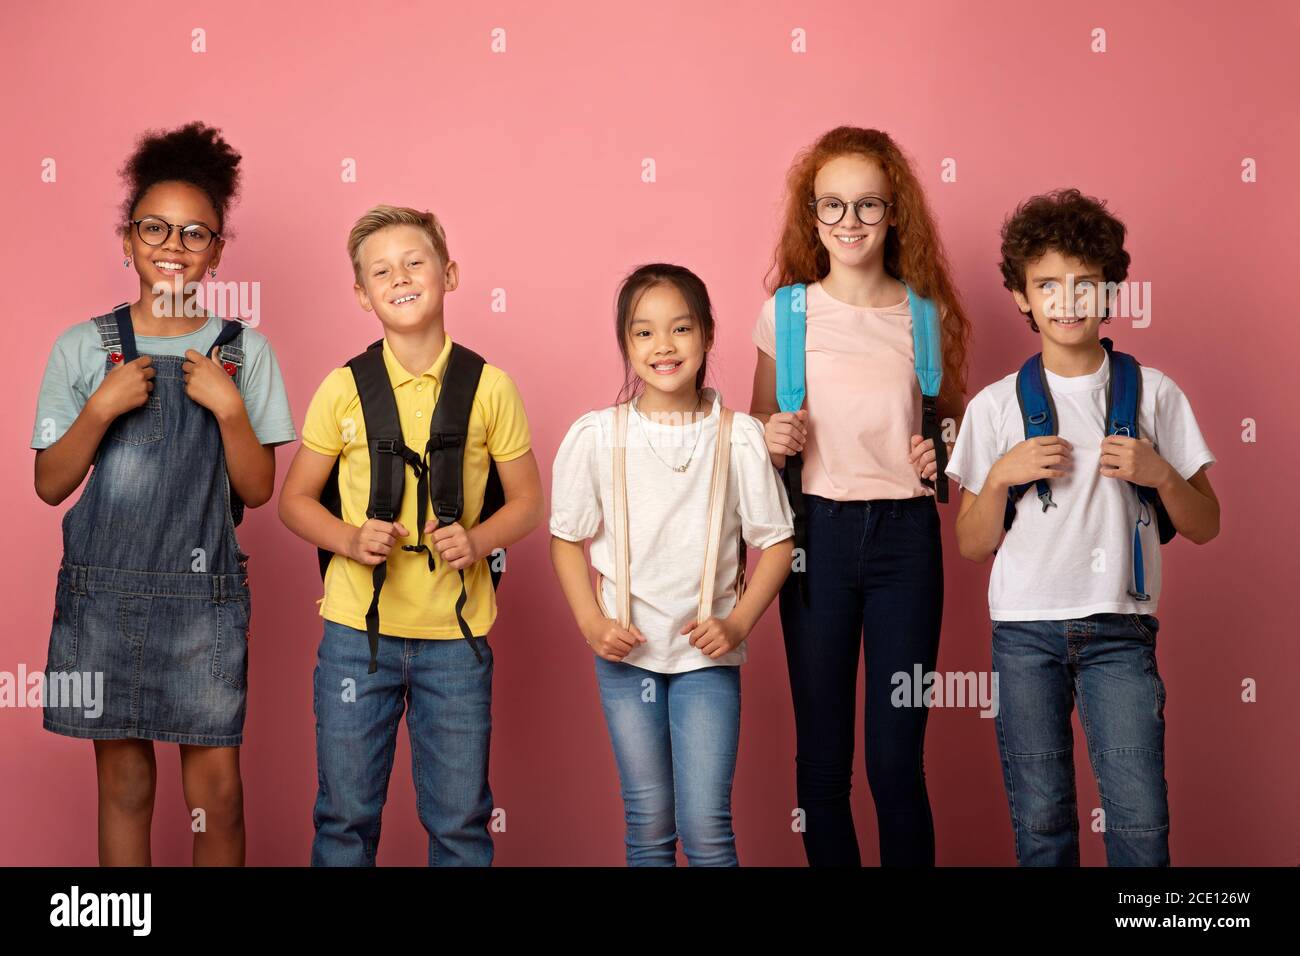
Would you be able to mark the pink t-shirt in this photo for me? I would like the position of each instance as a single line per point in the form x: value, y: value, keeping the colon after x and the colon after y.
x: 864, y: 403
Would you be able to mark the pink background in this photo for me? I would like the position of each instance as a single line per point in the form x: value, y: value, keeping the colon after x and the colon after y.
x: 532, y: 160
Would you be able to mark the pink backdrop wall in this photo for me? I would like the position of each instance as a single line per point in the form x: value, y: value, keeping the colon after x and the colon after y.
x: 532, y: 158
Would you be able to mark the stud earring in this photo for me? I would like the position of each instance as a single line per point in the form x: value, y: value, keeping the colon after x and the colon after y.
x: 127, y: 262
x: 212, y: 273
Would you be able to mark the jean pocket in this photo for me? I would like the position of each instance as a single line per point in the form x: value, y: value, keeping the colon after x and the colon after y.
x: 65, y: 630
x: 923, y: 519
x: 1146, y: 626
x: 140, y: 425
x: 230, y: 654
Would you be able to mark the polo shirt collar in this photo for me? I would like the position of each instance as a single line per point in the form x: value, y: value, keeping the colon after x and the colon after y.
x: 397, y: 373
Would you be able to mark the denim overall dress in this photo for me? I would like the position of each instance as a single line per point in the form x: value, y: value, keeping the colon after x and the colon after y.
x: 151, y: 613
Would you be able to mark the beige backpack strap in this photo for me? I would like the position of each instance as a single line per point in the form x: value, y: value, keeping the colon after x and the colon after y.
x: 622, y: 554
x: 717, y: 507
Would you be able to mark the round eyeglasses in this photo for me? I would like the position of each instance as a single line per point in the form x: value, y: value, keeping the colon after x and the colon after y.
x: 869, y: 209
x: 154, y: 232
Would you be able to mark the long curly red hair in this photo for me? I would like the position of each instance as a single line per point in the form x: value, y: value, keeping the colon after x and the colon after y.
x: 913, y: 252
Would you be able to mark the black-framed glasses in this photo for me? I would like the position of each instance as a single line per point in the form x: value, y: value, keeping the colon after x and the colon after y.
x: 831, y: 209
x: 154, y: 232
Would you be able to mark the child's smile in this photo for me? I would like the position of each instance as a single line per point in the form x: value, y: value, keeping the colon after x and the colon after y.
x: 1064, y: 296
x: 667, y: 366
x: 404, y: 279
x: 169, y: 267
x: 665, y: 346
x: 844, y: 183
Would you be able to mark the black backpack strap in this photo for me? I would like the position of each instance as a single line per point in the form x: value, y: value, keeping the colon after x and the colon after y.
x: 494, y: 496
x: 444, y: 460
x: 792, y: 477
x: 931, y: 429
x: 389, y: 457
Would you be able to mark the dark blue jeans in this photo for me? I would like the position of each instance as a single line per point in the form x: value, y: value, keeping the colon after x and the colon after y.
x: 1107, y: 662
x: 876, y: 581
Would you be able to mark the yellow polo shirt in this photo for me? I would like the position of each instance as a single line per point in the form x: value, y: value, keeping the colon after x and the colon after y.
x: 413, y: 602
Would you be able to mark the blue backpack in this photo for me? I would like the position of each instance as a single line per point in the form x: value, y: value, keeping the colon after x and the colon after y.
x: 1123, y: 399
x: 791, y: 337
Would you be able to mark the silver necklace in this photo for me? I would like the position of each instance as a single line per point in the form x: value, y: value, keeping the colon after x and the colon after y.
x: 676, y: 468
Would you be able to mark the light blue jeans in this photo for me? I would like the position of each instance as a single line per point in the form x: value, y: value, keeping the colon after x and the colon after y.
x: 447, y: 696
x: 675, y: 738
x: 1107, y: 664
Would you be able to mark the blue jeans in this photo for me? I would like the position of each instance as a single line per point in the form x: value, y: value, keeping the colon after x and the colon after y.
x: 447, y: 695
x: 675, y: 739
x: 1107, y: 662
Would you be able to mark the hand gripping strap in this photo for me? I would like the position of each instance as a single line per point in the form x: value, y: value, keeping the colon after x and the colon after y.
x: 443, y: 478
x: 927, y: 358
x: 1038, y: 413
x: 1123, y: 400
x: 389, y: 457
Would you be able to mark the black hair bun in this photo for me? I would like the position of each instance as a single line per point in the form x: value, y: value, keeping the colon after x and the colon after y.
x: 195, y: 154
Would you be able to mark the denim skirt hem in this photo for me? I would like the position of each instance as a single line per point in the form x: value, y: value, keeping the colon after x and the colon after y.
x: 127, y: 733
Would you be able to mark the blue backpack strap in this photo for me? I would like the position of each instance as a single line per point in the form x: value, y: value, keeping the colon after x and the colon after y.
x: 791, y: 390
x: 927, y: 343
x: 1038, y: 412
x: 1123, y: 400
x: 791, y: 338
x: 927, y: 352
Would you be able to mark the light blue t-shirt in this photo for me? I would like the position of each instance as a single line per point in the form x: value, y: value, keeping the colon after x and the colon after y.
x: 78, y: 364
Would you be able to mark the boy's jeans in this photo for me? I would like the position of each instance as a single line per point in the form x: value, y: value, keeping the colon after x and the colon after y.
x: 447, y: 694
x: 1108, y: 663
x: 675, y: 738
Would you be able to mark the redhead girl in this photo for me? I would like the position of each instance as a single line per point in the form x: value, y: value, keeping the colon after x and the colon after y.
x: 860, y: 244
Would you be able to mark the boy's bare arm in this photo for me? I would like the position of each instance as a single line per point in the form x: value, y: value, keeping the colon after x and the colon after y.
x: 1192, y: 505
x: 303, y: 514
x: 300, y: 508
x: 979, y: 521
x: 524, y: 508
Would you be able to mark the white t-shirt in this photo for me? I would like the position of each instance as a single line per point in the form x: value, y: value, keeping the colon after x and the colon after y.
x: 668, y: 520
x: 1075, y: 559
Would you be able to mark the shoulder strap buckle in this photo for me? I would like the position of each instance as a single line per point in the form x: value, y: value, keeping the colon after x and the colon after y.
x: 440, y: 440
